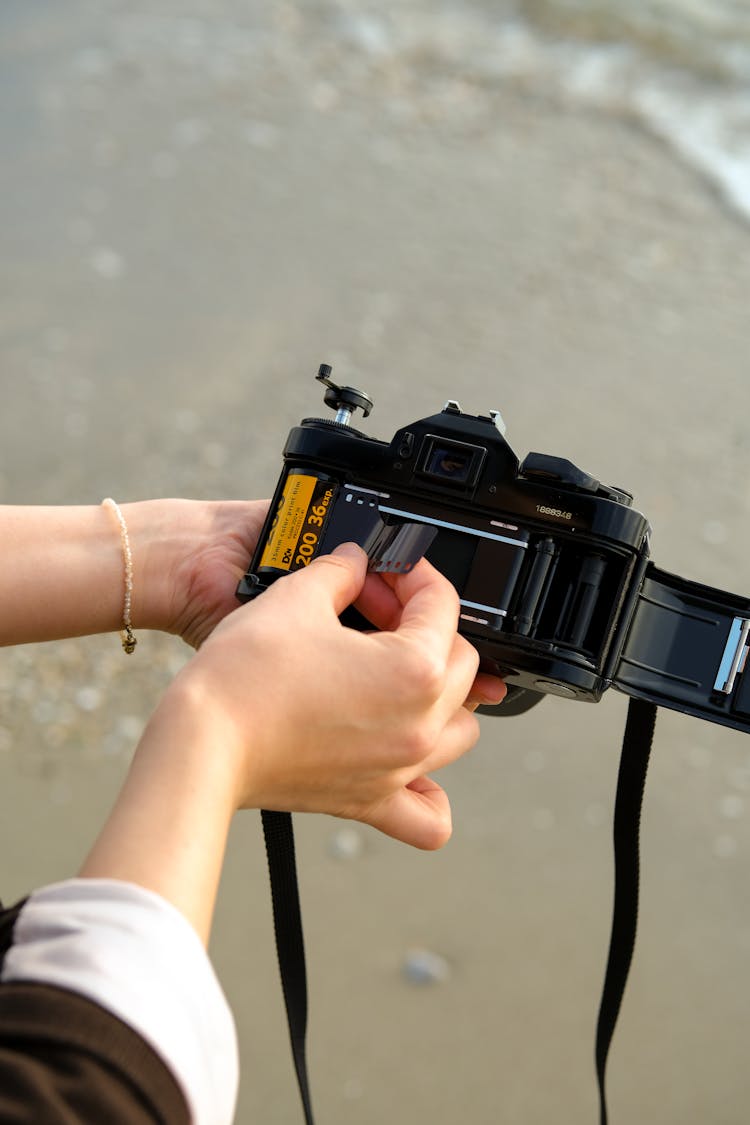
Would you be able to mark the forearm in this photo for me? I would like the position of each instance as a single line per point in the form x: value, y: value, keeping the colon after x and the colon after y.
x: 168, y: 829
x: 61, y: 573
x: 62, y: 570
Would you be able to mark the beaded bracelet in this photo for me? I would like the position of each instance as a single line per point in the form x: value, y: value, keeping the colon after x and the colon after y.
x: 126, y: 633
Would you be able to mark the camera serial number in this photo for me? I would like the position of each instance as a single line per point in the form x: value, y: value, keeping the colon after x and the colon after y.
x: 545, y: 511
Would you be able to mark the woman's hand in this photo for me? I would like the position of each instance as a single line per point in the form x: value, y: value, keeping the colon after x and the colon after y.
x: 318, y: 717
x: 285, y: 708
x: 188, y: 556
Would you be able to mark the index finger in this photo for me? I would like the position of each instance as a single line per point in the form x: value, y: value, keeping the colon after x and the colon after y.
x: 430, y: 608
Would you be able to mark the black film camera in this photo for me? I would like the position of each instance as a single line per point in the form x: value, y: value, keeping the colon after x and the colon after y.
x: 552, y: 567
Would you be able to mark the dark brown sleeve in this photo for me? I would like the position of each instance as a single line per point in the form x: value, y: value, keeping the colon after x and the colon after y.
x: 63, y: 1059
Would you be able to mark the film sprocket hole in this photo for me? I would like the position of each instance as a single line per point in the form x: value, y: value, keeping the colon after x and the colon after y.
x: 551, y: 566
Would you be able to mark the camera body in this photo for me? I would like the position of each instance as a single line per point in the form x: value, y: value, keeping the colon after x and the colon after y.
x: 557, y: 592
x: 556, y: 589
x: 547, y: 561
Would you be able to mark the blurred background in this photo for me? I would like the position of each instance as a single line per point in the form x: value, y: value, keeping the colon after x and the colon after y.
x: 541, y: 207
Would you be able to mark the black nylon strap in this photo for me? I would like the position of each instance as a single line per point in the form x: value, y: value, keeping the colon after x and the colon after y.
x: 636, y: 747
x: 279, y: 838
x: 290, y: 947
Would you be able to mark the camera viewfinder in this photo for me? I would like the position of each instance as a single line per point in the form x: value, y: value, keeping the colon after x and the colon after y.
x: 451, y: 462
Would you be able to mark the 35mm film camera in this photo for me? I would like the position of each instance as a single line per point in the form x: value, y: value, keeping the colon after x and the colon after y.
x: 551, y: 566
x: 556, y: 591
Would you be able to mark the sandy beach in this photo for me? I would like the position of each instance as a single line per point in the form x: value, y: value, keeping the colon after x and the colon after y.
x: 182, y: 242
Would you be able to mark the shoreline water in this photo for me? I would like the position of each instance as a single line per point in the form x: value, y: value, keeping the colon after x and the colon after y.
x: 690, y: 88
x: 684, y: 76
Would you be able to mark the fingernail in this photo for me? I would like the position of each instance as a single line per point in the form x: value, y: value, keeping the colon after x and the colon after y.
x: 349, y: 550
x: 496, y: 694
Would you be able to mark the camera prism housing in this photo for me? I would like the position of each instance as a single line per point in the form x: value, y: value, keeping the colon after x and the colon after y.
x: 556, y: 589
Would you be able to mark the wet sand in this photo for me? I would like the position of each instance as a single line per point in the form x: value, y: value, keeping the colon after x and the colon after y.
x: 181, y: 247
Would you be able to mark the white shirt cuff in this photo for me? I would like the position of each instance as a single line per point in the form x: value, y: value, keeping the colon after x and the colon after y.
x: 133, y: 953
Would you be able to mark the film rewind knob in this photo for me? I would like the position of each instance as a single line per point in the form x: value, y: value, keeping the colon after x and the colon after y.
x: 344, y: 400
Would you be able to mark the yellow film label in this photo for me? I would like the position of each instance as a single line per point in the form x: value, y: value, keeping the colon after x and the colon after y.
x: 301, y: 515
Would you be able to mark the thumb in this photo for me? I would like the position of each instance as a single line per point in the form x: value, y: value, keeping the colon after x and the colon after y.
x: 419, y: 814
x: 338, y: 577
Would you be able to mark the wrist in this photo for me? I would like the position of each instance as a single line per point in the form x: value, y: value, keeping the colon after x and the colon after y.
x: 194, y: 734
x: 154, y: 548
x: 188, y: 556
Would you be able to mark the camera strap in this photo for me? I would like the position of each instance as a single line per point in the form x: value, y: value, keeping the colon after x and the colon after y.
x: 290, y: 946
x: 631, y: 780
x: 279, y: 839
